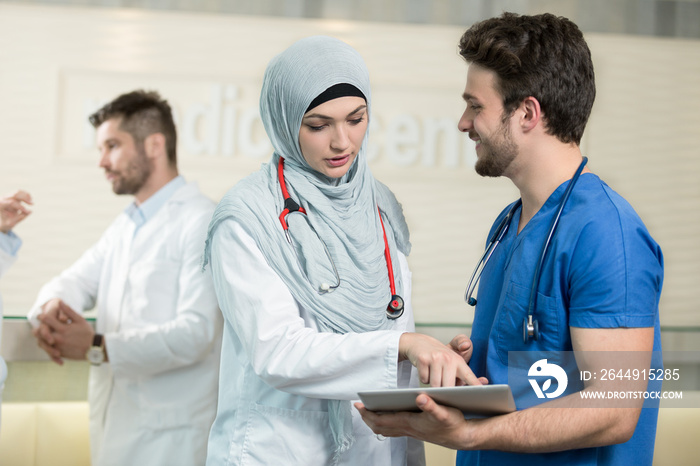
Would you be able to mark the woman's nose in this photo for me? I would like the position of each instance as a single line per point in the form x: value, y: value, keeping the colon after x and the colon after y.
x: 340, y: 140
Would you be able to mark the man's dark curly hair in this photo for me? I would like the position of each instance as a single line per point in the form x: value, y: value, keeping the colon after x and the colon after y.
x: 543, y: 56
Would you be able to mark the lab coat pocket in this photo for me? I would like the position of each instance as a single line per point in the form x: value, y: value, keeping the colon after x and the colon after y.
x: 153, y: 291
x: 510, y: 317
x: 166, y: 404
x: 286, y: 436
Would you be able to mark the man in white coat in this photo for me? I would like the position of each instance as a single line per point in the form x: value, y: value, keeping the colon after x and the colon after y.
x: 155, y: 349
x: 12, y: 211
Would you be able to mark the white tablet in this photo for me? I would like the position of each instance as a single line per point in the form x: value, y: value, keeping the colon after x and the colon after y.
x: 473, y: 400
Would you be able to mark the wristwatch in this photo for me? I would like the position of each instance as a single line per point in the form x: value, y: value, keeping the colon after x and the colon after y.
x: 96, y: 353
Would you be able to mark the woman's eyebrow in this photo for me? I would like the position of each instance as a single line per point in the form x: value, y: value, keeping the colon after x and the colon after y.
x: 361, y: 107
x: 326, y: 117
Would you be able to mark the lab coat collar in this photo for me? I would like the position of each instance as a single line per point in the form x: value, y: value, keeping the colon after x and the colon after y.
x: 140, y: 214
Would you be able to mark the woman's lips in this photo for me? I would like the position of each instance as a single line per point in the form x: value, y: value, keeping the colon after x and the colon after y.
x: 338, y: 161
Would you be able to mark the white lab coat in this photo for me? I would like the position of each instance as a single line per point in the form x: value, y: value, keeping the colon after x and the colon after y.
x: 278, y: 370
x: 6, y: 261
x: 154, y: 402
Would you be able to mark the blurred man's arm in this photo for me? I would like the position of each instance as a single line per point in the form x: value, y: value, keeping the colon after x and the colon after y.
x: 12, y: 211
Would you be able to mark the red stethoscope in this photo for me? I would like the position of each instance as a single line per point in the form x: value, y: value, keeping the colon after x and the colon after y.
x: 396, y: 306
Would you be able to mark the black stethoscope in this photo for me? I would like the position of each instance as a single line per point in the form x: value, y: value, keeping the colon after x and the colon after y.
x: 530, y: 325
x: 396, y: 306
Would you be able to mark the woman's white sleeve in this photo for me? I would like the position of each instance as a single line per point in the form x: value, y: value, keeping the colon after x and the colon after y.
x: 281, y: 349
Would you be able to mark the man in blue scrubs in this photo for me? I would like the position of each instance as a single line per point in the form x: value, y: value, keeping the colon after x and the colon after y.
x: 529, y: 92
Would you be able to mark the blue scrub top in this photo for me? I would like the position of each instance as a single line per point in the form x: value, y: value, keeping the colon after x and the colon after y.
x: 602, y: 270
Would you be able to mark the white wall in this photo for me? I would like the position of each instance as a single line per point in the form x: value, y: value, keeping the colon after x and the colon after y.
x: 57, y: 64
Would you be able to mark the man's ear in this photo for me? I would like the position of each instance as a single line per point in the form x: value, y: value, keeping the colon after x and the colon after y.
x: 531, y: 113
x: 154, y: 144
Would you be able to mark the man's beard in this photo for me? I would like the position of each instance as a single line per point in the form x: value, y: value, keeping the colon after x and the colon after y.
x: 134, y: 176
x: 496, y: 153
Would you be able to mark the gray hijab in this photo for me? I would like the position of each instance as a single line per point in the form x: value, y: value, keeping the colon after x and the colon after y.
x: 342, y: 213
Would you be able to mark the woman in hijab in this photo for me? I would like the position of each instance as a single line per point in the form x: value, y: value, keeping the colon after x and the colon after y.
x: 309, y: 263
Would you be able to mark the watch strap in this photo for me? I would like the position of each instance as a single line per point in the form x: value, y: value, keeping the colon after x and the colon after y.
x: 97, y: 340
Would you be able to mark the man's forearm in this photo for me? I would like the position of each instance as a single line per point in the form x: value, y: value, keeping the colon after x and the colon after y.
x: 561, y: 424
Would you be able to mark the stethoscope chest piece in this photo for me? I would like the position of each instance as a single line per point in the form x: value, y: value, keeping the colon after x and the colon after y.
x: 531, y: 329
x: 395, y: 308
